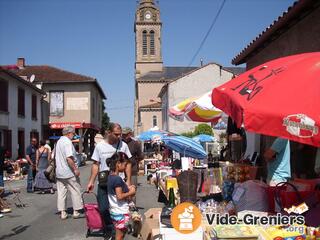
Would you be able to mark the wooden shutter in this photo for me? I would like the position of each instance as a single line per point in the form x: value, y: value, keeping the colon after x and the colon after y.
x: 34, y: 107
x: 4, y: 96
x: 21, y: 150
x: 7, y: 140
x: 21, y: 102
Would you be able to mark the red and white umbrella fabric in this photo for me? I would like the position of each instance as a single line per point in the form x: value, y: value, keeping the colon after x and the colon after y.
x: 278, y: 98
x: 197, y: 109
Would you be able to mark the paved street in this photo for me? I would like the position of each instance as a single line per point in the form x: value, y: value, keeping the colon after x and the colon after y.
x: 39, y: 220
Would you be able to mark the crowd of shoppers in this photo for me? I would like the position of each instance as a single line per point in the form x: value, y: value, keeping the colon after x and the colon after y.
x: 118, y: 155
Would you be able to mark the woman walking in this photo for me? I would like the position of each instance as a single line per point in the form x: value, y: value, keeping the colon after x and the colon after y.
x: 43, y: 157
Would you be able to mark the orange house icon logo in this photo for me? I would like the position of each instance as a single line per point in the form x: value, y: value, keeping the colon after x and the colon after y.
x: 186, y: 218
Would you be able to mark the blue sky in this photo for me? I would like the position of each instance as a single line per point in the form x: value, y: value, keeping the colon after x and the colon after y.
x: 96, y: 37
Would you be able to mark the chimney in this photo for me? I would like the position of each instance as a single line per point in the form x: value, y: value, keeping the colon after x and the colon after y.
x: 20, y: 63
x: 201, y: 62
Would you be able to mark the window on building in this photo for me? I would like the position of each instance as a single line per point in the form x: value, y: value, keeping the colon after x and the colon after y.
x: 152, y: 49
x: 144, y: 43
x: 21, y: 102
x: 21, y: 150
x: 154, y: 121
x: 34, y: 107
x: 7, y: 140
x: 4, y: 96
x: 56, y: 103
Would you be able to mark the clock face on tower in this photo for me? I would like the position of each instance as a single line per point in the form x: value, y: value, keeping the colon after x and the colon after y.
x: 147, y: 16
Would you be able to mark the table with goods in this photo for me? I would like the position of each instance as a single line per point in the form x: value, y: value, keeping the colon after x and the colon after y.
x: 232, y: 189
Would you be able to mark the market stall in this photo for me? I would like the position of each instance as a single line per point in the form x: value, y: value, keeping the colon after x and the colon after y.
x: 253, y: 209
x: 229, y: 189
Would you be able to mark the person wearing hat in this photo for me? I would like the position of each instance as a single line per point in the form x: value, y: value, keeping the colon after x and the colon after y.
x: 67, y: 174
x: 137, y: 155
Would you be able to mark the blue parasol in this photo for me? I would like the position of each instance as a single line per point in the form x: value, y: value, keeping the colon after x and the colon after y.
x: 185, y: 146
x: 204, y: 138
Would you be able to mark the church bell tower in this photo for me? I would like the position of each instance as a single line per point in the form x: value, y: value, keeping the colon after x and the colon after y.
x: 147, y: 38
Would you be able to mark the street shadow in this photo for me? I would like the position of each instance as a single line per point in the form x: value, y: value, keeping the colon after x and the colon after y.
x: 69, y: 211
x: 15, y: 231
x: 13, y: 216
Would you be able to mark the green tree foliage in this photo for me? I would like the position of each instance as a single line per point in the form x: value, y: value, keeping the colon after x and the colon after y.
x: 188, y: 134
x: 203, y: 129
x: 200, y: 129
x: 105, y: 122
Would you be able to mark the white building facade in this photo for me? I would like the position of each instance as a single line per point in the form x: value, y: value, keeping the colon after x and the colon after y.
x: 193, y: 84
x: 71, y: 99
x: 20, y: 113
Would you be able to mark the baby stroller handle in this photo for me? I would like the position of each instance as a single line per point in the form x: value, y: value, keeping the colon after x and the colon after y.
x: 93, y: 217
x: 88, y: 193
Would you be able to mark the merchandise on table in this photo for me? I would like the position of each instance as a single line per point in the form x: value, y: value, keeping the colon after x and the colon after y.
x: 212, y: 206
x: 283, y: 233
x: 239, y: 172
x: 251, y: 195
x: 227, y: 190
x: 188, y: 182
x: 235, y: 232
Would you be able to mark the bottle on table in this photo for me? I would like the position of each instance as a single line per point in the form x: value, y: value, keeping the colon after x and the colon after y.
x: 172, y: 203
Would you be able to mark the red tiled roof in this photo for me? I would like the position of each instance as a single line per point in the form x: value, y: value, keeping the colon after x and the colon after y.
x: 10, y: 73
x: 48, y: 74
x: 298, y: 9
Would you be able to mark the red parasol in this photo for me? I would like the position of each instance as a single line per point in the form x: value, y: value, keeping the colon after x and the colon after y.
x: 278, y: 98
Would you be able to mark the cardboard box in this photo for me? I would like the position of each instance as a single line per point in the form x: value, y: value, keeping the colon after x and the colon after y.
x: 148, y: 226
x: 151, y: 222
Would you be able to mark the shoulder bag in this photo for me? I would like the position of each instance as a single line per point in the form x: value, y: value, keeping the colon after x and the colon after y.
x: 40, y: 155
x: 103, y: 175
x: 50, y: 172
x: 311, y: 198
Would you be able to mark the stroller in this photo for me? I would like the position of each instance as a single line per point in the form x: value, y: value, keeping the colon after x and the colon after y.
x: 93, y: 218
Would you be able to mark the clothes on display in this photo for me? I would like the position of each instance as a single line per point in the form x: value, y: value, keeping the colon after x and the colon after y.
x: 188, y: 182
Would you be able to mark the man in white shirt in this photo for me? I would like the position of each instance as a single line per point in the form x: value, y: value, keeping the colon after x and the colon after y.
x: 67, y: 174
x: 104, y: 150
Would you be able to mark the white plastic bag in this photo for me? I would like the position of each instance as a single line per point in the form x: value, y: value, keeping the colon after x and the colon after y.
x: 251, y: 195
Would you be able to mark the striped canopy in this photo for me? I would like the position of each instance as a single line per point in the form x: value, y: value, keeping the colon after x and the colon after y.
x: 196, y: 109
x: 185, y: 146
